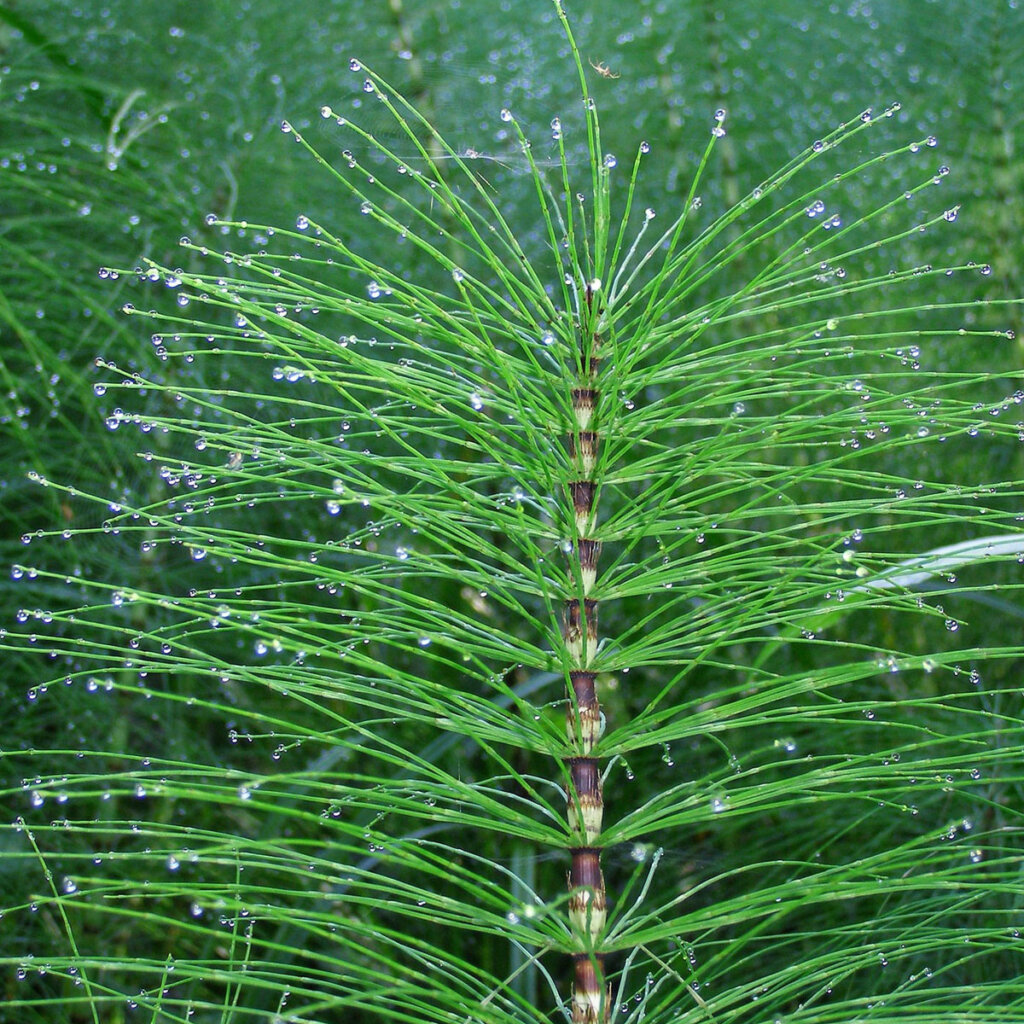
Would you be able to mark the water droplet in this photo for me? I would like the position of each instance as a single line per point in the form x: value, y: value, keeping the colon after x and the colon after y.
x: 609, y: 161
x: 506, y: 115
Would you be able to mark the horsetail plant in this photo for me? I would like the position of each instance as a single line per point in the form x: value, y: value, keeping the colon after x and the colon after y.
x: 388, y: 512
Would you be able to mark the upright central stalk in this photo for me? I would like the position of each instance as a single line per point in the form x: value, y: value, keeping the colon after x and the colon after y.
x: 587, y: 899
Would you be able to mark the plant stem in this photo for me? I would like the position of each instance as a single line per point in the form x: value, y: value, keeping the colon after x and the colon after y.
x: 587, y: 897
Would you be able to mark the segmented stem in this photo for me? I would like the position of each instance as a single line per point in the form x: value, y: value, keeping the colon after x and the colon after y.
x: 587, y: 897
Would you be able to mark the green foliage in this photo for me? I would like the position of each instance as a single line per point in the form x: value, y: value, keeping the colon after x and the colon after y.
x: 321, y: 615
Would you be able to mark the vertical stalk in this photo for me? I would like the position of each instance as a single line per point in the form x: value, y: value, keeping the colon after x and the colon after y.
x: 587, y: 897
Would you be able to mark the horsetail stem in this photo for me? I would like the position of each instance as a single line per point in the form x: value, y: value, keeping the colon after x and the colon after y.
x: 587, y: 897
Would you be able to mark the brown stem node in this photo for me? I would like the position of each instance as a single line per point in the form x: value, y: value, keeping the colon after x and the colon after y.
x: 587, y: 900
x: 579, y: 629
x: 583, y: 493
x: 590, y: 997
x: 584, y: 445
x: 584, y: 404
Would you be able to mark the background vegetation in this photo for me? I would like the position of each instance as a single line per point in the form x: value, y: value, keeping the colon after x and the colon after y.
x: 123, y: 128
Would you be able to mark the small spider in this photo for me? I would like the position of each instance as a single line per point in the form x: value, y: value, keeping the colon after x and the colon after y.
x: 603, y: 70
